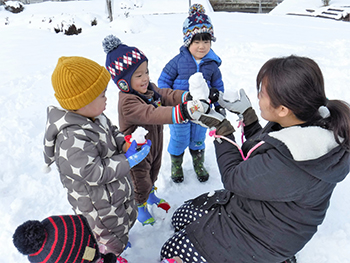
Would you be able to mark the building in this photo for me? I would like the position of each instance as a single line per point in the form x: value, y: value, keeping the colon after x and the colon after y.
x: 250, y: 6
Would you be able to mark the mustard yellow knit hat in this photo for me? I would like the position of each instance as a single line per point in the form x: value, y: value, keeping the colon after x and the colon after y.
x: 77, y: 81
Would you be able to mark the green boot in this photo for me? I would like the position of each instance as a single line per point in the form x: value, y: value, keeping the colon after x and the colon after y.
x: 198, y: 160
x: 177, y: 175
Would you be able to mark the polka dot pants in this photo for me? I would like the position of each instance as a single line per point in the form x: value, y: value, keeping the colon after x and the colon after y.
x: 179, y: 244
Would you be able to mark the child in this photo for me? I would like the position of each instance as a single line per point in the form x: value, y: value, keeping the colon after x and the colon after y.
x: 65, y: 238
x: 88, y: 151
x: 142, y: 103
x: 278, y: 186
x: 195, y: 55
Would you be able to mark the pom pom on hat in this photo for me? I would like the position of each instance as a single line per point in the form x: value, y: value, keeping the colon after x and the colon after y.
x: 196, y: 8
x: 29, y: 237
x: 197, y: 22
x: 65, y: 238
x: 110, y: 42
x: 122, y: 61
x: 78, y: 81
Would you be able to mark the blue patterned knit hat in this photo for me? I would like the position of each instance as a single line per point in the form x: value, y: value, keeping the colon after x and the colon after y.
x: 122, y: 61
x: 197, y: 22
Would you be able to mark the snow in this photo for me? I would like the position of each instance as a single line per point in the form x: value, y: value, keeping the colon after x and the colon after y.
x: 29, y: 52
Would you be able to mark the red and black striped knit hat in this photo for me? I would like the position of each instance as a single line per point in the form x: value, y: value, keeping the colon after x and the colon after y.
x: 57, y: 239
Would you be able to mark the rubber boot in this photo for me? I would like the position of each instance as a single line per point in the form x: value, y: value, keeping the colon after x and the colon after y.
x: 177, y: 174
x: 153, y: 199
x: 144, y: 215
x: 198, y: 160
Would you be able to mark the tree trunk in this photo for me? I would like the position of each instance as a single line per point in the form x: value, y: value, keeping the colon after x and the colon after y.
x: 109, y: 10
x: 260, y: 8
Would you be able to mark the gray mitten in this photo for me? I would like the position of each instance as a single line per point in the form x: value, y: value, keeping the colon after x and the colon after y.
x: 208, y: 120
x: 215, y: 120
x: 238, y: 106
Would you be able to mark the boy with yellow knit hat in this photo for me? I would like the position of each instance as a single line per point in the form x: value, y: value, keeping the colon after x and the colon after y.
x: 89, y: 152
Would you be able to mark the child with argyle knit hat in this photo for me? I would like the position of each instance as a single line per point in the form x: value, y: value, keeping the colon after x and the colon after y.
x: 195, y: 55
x: 143, y: 104
x: 90, y: 152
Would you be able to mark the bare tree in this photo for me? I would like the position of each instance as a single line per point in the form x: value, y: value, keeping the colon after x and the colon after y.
x: 326, y: 2
x: 109, y: 10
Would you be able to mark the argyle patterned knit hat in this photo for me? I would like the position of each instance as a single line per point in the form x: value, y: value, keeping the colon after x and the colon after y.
x: 197, y: 22
x: 77, y: 81
x: 57, y: 239
x: 122, y: 61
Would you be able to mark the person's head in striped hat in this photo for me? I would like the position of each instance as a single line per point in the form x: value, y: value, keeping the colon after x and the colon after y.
x: 58, y: 239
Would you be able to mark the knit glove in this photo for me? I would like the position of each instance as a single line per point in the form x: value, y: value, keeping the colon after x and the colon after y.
x: 220, y: 110
x: 215, y: 120
x: 186, y: 111
x: 238, y: 106
x: 214, y: 94
x: 134, y: 156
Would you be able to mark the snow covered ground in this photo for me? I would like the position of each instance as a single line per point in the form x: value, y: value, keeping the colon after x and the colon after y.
x: 29, y: 50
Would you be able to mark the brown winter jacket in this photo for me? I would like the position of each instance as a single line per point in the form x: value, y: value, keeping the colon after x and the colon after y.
x: 135, y: 112
x: 95, y: 172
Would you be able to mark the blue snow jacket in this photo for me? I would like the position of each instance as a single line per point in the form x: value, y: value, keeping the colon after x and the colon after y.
x: 178, y: 70
x: 175, y: 75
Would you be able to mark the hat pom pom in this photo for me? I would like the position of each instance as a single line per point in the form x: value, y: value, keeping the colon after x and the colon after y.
x: 196, y: 8
x: 110, y: 42
x: 29, y: 237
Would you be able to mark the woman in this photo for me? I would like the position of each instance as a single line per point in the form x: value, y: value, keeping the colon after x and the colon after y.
x: 276, y: 195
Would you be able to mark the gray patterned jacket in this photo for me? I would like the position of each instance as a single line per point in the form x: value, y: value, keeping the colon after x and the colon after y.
x: 94, y: 171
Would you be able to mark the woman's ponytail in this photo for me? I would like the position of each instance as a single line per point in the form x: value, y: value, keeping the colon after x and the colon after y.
x: 339, y: 121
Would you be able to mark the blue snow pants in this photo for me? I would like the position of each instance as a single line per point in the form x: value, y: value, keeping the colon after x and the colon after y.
x: 186, y: 135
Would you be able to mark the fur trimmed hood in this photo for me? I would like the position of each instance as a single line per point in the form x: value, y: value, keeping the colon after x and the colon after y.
x: 310, y: 145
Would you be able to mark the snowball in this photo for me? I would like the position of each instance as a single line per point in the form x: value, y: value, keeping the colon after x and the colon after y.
x: 198, y: 87
x: 139, y: 135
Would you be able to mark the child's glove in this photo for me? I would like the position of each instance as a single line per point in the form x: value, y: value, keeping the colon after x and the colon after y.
x: 185, y: 111
x: 134, y: 156
x: 220, y: 110
x: 238, y: 106
x: 214, y: 95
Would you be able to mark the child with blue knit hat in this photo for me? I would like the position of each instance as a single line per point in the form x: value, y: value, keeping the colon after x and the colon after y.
x: 142, y: 104
x: 195, y: 55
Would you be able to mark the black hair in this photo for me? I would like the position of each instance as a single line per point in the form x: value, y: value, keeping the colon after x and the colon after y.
x: 297, y: 83
x: 201, y: 36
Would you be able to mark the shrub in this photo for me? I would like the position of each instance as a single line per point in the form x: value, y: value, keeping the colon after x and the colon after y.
x: 94, y: 22
x: 14, y: 9
x: 72, y: 30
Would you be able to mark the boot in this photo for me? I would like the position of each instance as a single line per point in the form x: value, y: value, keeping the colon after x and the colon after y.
x: 144, y: 216
x: 198, y: 160
x: 291, y: 260
x: 177, y: 175
x: 153, y: 199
